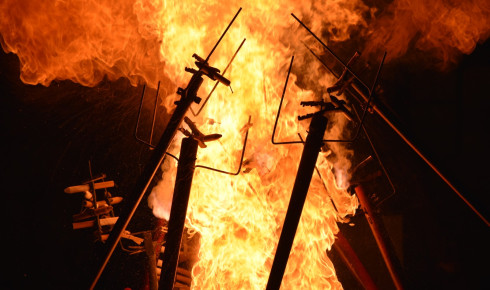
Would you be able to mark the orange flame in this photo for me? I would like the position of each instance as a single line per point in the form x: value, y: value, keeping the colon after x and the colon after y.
x: 444, y: 29
x: 239, y: 217
x: 82, y: 41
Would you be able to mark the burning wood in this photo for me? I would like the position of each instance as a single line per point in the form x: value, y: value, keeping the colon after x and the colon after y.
x: 178, y: 212
x: 239, y: 223
x: 298, y: 197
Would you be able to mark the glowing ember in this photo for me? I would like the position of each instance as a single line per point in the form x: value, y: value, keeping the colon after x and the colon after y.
x: 238, y: 217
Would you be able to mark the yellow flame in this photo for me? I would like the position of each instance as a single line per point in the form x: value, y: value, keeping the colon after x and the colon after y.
x: 239, y: 217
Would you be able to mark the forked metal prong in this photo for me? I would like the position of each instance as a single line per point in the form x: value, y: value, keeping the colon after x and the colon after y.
x: 216, y: 84
x: 241, y: 158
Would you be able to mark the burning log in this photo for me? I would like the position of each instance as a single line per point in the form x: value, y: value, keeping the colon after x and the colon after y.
x: 176, y: 224
x: 313, y: 144
x: 180, y: 200
x: 173, y: 239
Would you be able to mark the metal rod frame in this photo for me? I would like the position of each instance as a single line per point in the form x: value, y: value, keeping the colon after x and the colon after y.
x: 134, y: 198
x: 361, y: 121
x: 367, y: 99
x: 216, y: 84
x: 219, y: 170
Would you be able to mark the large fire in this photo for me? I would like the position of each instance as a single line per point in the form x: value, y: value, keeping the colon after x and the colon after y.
x: 239, y: 217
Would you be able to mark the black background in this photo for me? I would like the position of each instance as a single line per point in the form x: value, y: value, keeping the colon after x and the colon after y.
x: 50, y: 133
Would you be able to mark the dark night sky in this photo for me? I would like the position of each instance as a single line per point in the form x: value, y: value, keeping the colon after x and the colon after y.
x: 49, y: 134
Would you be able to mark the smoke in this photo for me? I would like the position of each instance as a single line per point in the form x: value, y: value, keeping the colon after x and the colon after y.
x: 238, y: 216
x: 79, y: 40
x: 442, y: 29
x: 87, y: 41
x: 160, y: 199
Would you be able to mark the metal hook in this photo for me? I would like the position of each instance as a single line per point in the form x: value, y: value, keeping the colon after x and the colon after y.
x: 346, y: 68
x: 383, y: 168
x: 370, y: 90
x: 399, y: 133
x: 149, y: 143
x: 370, y: 97
x: 222, y: 171
x: 361, y: 121
x: 241, y: 158
x: 329, y: 69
